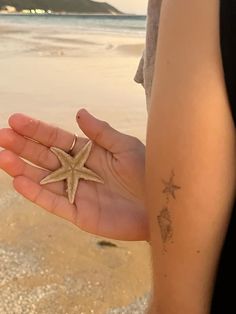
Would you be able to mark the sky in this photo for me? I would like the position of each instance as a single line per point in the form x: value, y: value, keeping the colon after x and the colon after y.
x: 129, y: 6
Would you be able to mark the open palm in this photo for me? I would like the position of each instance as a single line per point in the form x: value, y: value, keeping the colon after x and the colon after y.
x: 114, y: 209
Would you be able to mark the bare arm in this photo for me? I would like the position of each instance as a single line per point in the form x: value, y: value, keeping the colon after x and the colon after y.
x: 190, y: 164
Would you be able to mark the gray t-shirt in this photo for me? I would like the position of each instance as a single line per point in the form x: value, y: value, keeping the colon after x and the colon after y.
x: 144, y: 74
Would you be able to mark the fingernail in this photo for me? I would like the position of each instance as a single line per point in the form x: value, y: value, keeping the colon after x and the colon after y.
x: 80, y: 111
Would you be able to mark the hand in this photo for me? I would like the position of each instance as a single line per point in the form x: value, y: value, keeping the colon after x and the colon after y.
x: 114, y: 209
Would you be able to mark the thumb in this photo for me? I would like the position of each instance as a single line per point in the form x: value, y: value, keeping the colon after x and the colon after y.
x: 102, y: 133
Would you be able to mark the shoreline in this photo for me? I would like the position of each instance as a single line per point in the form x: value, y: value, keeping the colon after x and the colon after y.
x: 46, y: 40
x: 72, y: 13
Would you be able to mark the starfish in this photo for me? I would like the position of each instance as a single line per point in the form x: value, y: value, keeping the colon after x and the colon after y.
x: 170, y: 187
x: 72, y: 170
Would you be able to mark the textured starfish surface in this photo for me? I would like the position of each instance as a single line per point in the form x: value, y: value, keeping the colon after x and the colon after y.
x: 72, y: 170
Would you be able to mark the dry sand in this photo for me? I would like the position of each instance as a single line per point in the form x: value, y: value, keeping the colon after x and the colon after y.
x: 47, y: 265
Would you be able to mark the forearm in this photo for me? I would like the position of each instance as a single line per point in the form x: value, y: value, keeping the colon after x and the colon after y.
x: 183, y: 268
x: 190, y: 159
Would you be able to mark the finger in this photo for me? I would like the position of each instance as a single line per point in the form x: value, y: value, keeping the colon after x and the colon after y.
x: 102, y: 133
x: 40, y: 131
x: 15, y: 166
x: 53, y: 203
x: 36, y: 153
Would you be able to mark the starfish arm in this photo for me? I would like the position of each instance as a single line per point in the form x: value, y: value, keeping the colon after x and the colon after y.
x: 72, y: 185
x: 173, y: 194
x: 83, y: 154
x: 58, y: 175
x: 64, y: 158
x: 176, y: 187
x: 88, y: 174
x: 165, y: 190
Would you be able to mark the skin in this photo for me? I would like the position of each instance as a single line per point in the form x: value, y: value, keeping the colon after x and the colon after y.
x: 114, y: 209
x: 190, y: 144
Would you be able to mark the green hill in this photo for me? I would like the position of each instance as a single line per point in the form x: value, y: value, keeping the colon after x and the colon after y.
x: 73, y: 6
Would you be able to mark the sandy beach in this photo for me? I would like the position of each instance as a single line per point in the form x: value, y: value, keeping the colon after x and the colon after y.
x: 47, y: 265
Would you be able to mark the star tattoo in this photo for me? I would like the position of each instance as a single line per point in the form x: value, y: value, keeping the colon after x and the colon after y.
x: 170, y: 187
x: 72, y: 170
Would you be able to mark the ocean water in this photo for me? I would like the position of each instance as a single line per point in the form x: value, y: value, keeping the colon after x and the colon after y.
x: 131, y: 25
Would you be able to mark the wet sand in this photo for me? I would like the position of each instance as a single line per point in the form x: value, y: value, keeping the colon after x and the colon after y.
x: 47, y: 265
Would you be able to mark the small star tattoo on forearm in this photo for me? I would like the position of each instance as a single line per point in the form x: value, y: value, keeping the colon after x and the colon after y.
x: 170, y: 187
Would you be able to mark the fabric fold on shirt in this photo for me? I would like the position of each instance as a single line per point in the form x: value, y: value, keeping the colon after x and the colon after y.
x: 144, y: 74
